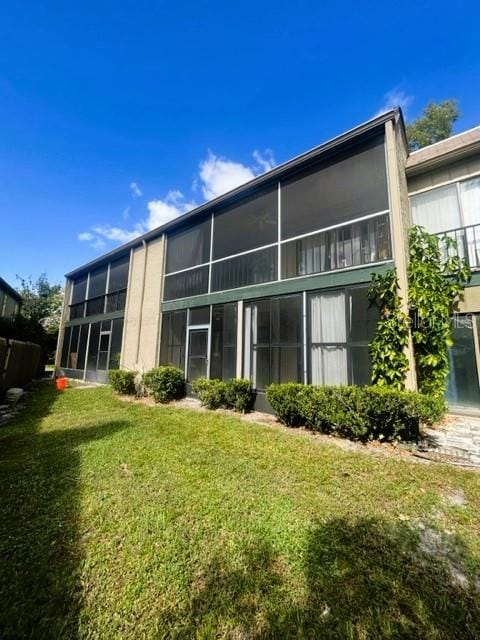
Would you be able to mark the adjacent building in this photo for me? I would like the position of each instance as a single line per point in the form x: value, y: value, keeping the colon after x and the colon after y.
x: 269, y: 281
x: 10, y: 300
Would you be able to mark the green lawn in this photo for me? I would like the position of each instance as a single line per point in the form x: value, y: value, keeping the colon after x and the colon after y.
x: 120, y: 520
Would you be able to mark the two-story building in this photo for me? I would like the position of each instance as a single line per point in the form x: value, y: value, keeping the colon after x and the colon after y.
x: 10, y: 300
x: 269, y: 281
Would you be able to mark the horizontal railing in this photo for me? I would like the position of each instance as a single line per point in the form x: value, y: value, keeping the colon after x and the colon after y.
x: 108, y: 303
x: 467, y: 244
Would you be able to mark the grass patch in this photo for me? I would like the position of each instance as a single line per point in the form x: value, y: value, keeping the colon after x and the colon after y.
x: 127, y: 521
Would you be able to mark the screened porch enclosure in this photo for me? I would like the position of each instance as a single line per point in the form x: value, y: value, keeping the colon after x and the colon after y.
x: 89, y: 350
x: 318, y: 337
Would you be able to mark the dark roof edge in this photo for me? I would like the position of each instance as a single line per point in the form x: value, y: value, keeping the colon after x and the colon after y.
x: 276, y: 172
x: 10, y: 290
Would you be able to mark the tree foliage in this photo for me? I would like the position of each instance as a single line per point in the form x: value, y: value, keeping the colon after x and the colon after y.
x: 42, y: 302
x: 435, y: 124
x: 436, y: 278
x: 387, y: 349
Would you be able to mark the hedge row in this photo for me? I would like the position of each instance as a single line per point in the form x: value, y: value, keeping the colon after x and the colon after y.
x: 163, y: 383
x: 359, y: 413
x: 167, y: 383
x: 234, y: 394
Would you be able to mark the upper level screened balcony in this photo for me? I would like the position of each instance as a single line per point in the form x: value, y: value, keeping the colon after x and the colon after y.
x: 328, y: 216
x: 101, y: 291
x: 454, y: 211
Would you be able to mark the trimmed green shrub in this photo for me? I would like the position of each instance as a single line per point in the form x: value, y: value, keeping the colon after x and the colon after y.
x: 211, y: 393
x: 358, y: 413
x: 287, y: 401
x: 123, y: 382
x: 165, y: 383
x: 234, y: 394
x: 239, y: 394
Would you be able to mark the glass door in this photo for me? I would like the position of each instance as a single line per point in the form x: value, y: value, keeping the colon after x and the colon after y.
x: 463, y: 386
x: 197, y: 358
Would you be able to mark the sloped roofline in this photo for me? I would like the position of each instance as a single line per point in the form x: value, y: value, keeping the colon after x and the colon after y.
x: 302, y: 160
x: 10, y: 290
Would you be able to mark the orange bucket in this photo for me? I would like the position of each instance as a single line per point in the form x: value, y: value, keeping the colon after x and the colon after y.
x: 61, y: 383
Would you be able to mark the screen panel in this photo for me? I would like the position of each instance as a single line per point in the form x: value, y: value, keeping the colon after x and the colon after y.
x: 79, y: 291
x: 248, y: 269
x: 118, y: 274
x: 251, y: 224
x: 98, y: 282
x: 186, y: 283
x: 360, y: 243
x: 224, y: 341
x: 189, y: 247
x: 173, y: 338
x: 347, y: 186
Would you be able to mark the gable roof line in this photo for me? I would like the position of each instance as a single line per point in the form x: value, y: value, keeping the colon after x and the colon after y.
x: 243, y: 189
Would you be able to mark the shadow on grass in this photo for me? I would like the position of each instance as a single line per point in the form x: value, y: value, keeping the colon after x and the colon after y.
x: 40, y: 590
x: 362, y: 579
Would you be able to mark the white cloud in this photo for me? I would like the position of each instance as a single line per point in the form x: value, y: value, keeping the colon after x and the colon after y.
x: 98, y: 244
x: 219, y: 175
x: 162, y: 211
x: 264, y: 159
x: 115, y: 234
x: 395, y: 98
x: 216, y: 175
x: 85, y: 236
x: 135, y: 189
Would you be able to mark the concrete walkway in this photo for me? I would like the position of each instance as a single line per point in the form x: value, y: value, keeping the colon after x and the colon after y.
x: 457, y: 437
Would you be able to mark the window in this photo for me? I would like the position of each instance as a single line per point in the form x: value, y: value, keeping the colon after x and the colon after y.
x: 186, y: 283
x: 248, y: 269
x: 199, y: 315
x: 93, y: 347
x: 470, y: 200
x: 116, y: 343
x: 349, y: 185
x: 224, y: 341
x: 342, y: 324
x: 273, y: 340
x: 437, y: 210
x: 172, y: 344
x: 79, y: 291
x: 98, y: 282
x: 363, y: 242
x: 82, y: 346
x: 65, y: 347
x: 118, y: 278
x: 248, y: 225
x: 188, y: 248
x: 328, y: 338
x: 73, y: 351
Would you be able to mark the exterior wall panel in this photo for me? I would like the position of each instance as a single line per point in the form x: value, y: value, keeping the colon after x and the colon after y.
x: 142, y: 314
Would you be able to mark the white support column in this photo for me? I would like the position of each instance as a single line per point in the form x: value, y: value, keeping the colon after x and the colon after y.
x: 239, y: 370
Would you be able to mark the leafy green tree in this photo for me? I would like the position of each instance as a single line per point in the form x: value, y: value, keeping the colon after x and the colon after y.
x: 42, y: 302
x: 435, y: 124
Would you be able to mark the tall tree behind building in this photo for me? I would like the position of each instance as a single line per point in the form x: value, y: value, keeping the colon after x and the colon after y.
x: 435, y: 124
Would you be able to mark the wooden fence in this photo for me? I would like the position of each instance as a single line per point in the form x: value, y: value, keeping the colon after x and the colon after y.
x: 20, y: 363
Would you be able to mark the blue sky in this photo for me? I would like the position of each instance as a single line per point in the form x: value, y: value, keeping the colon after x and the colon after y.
x: 116, y: 115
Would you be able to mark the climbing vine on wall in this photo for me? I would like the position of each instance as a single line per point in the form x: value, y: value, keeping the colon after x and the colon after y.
x: 436, y: 278
x: 387, y: 349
